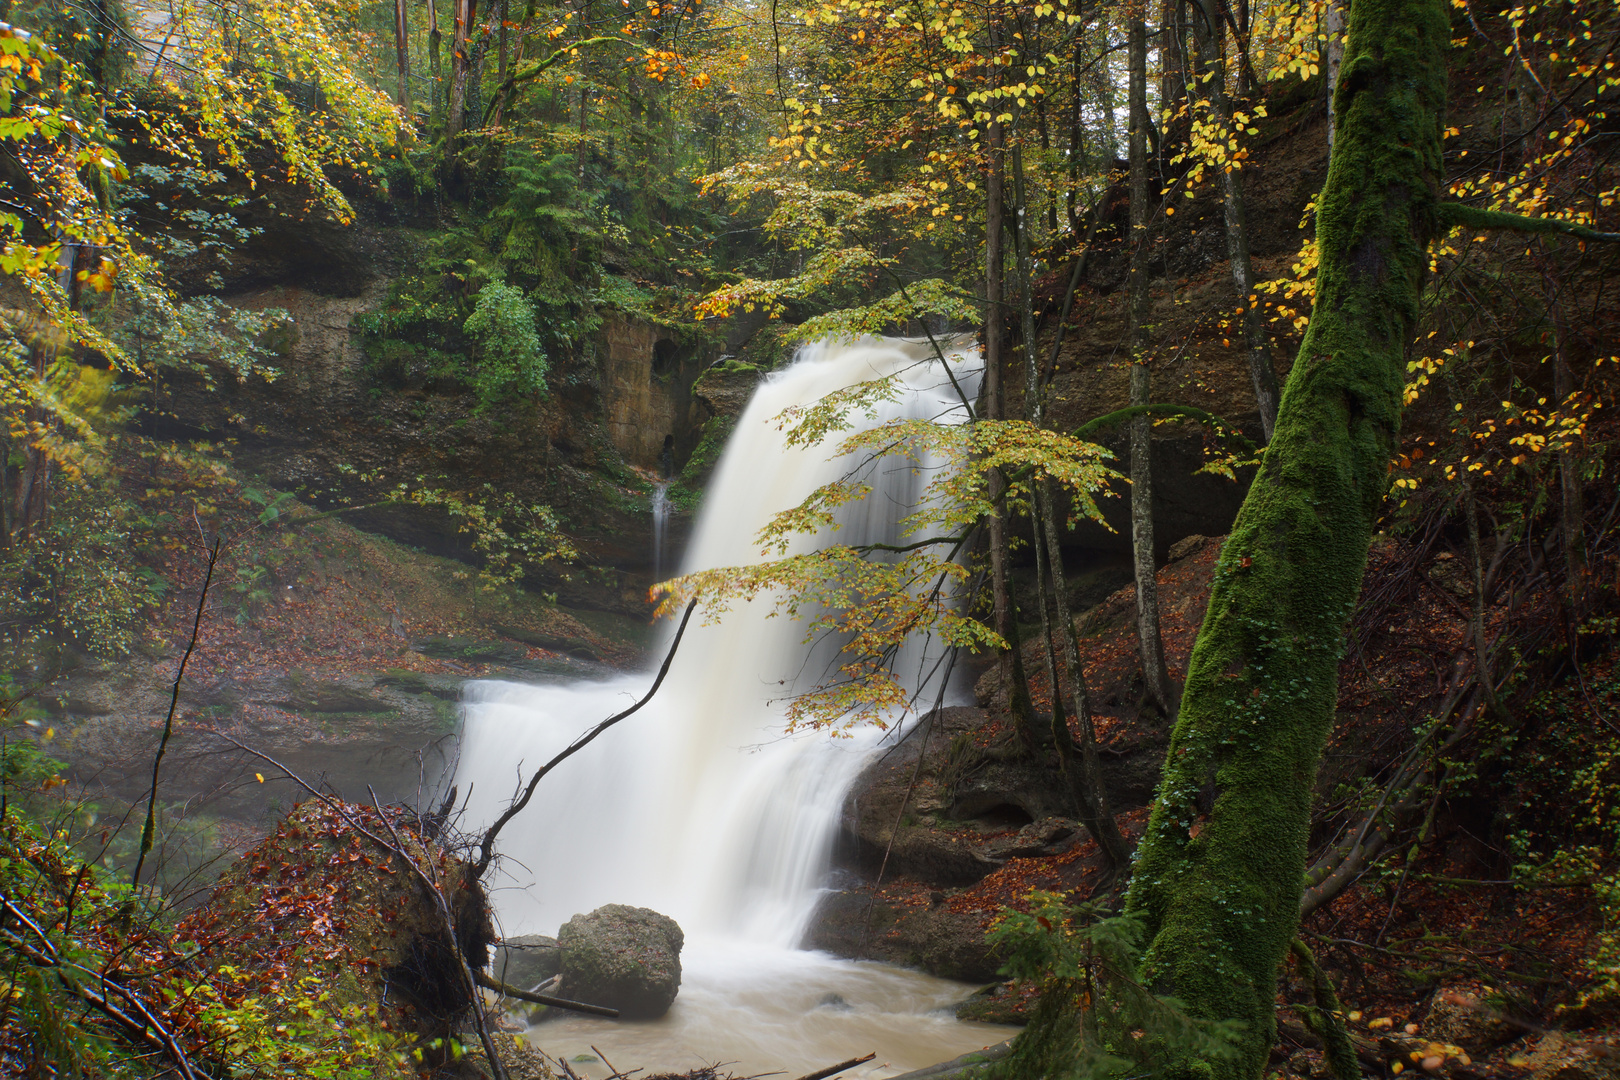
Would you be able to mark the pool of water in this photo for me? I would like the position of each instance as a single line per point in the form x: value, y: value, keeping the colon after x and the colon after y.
x: 780, y: 1011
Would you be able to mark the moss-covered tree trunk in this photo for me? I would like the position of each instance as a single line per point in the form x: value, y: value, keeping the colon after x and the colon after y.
x: 1219, y: 872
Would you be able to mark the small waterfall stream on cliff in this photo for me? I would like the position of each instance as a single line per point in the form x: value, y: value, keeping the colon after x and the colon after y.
x: 699, y: 806
x: 660, y: 516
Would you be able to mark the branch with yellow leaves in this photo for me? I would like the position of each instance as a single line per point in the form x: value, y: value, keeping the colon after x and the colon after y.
x: 1453, y: 214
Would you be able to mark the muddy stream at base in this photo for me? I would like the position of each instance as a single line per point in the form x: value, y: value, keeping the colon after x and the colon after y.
x: 780, y: 1011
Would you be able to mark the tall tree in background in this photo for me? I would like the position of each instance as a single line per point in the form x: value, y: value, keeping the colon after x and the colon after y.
x: 1219, y: 129
x: 402, y: 46
x: 461, y: 66
x: 1149, y: 639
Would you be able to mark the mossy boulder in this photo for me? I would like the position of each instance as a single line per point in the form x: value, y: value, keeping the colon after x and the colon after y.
x: 626, y: 958
x: 337, y: 898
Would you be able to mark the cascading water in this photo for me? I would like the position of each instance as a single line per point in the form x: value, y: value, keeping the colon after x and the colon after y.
x: 699, y: 806
x: 660, y: 517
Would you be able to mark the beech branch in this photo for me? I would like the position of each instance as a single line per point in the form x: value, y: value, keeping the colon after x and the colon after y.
x: 1471, y: 217
x: 1119, y: 416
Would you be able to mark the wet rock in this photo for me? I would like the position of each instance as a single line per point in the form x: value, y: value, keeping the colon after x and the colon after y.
x: 1452, y: 574
x: 443, y: 687
x: 942, y: 942
x: 626, y: 958
x: 332, y: 696
x: 1457, y: 1015
x: 934, y: 831
x: 469, y: 650
x: 1049, y: 836
x: 526, y: 961
x: 996, y: 1004
x: 724, y: 390
x: 573, y: 646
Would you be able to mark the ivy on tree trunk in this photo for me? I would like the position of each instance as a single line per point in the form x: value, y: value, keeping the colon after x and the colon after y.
x: 1219, y: 871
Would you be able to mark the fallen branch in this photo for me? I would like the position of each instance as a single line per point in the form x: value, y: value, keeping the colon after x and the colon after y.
x: 489, y: 982
x: 834, y: 1070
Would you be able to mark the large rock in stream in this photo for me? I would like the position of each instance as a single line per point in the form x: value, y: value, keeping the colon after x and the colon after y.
x: 626, y: 958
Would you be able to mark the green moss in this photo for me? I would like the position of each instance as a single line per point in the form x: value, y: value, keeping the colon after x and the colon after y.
x: 1218, y: 876
x: 687, y: 490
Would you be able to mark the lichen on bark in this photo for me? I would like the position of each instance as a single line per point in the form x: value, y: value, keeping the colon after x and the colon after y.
x: 1219, y: 871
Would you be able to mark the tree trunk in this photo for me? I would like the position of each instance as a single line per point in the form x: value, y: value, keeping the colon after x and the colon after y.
x: 1155, y: 671
x: 1572, y: 500
x: 1010, y: 663
x: 1211, y: 32
x: 434, y: 37
x: 1337, y: 20
x: 1172, y: 53
x: 402, y: 48
x: 461, y: 64
x: 1150, y: 647
x: 1218, y: 877
x: 1083, y: 776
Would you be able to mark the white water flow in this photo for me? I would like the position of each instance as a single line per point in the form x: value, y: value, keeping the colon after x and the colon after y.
x: 660, y: 516
x: 698, y: 806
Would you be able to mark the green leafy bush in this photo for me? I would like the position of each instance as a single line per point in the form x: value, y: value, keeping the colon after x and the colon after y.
x: 1093, y: 1020
x: 509, y: 357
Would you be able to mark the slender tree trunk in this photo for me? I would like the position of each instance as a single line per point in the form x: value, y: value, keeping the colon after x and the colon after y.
x: 402, y: 48
x: 1011, y: 662
x: 1482, y: 653
x: 435, y: 98
x: 1155, y: 670
x: 461, y: 65
x: 1083, y: 776
x: 1337, y: 20
x: 1139, y: 303
x: 1211, y: 33
x: 1241, y: 70
x: 1103, y: 84
x: 500, y: 64
x: 1045, y: 134
x: 1572, y: 501
x: 1077, y: 142
x: 1172, y: 54
x: 1219, y: 874
x: 1150, y: 645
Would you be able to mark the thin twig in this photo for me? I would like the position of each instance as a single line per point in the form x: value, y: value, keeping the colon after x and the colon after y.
x: 486, y: 849
x: 174, y: 705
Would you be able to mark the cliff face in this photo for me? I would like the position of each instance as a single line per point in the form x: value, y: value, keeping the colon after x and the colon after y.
x: 328, y: 427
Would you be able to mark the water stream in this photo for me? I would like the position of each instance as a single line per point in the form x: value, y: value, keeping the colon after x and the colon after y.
x: 660, y: 517
x: 699, y: 806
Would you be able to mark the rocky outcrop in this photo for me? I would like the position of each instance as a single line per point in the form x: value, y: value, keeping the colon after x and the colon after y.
x: 626, y: 958
x: 950, y: 944
x: 724, y: 390
x: 647, y: 378
x: 960, y: 799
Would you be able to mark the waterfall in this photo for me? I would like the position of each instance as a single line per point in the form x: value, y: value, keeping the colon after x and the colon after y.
x: 699, y: 806
x: 660, y: 515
